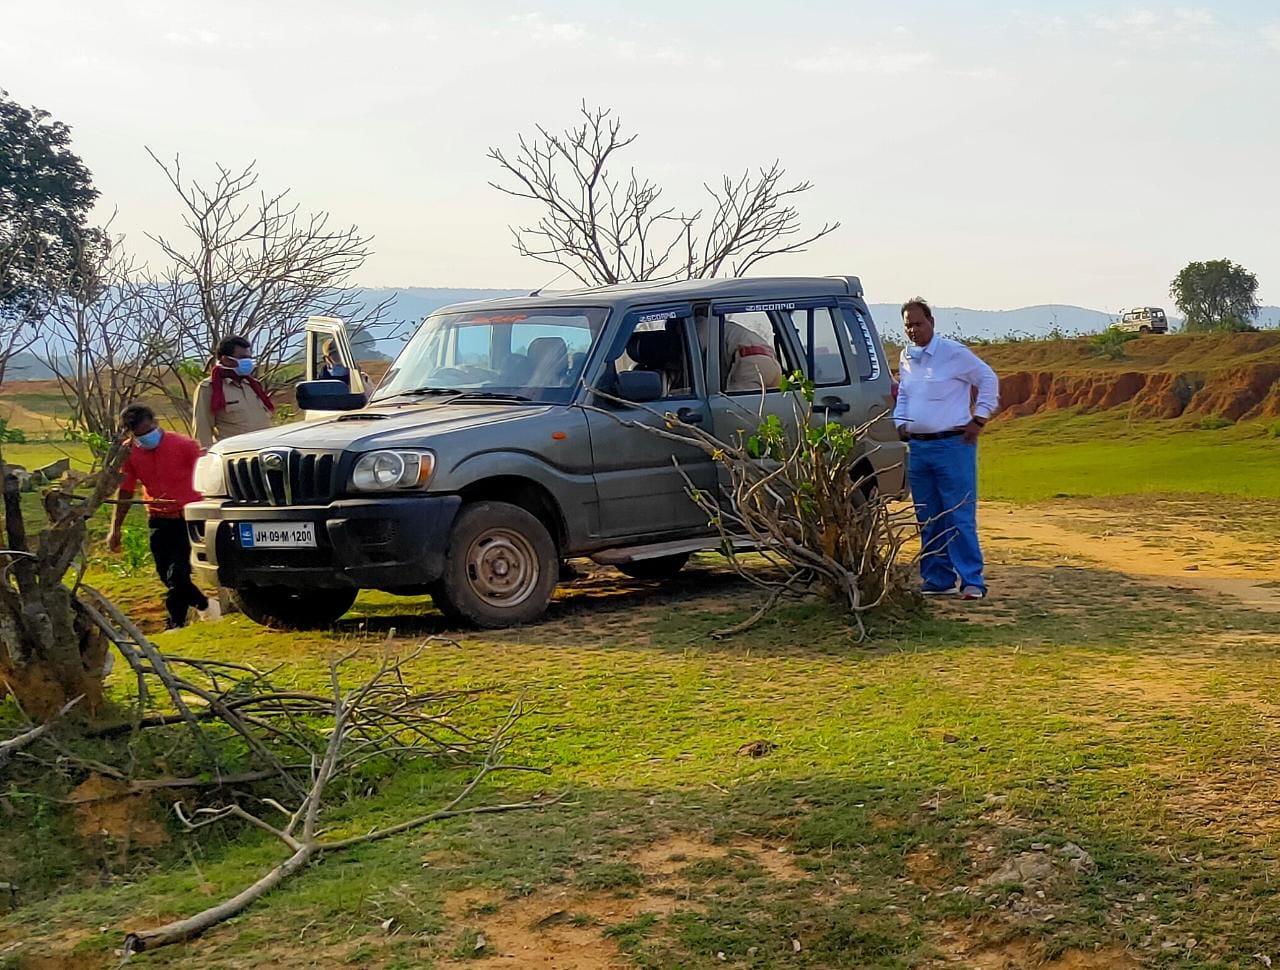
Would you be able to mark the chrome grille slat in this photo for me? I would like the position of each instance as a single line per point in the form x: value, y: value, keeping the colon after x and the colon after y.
x: 286, y: 478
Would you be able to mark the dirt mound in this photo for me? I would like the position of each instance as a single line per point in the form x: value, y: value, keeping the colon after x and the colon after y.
x: 1234, y: 393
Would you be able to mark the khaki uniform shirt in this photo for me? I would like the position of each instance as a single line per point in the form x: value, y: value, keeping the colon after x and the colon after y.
x: 244, y: 412
x: 749, y: 360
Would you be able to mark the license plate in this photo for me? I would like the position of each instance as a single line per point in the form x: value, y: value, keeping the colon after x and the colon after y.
x: 285, y: 535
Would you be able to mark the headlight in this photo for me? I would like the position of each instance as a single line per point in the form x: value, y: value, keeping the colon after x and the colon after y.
x: 384, y: 471
x: 209, y: 479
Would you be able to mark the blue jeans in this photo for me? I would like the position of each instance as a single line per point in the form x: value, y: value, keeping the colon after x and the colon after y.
x: 944, y: 487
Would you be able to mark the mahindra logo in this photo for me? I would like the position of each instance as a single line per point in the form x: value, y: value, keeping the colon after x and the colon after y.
x: 273, y: 461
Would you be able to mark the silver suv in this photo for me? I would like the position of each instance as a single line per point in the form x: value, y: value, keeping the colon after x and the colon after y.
x: 487, y: 455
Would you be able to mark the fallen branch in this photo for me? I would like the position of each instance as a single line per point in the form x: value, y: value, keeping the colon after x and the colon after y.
x: 373, y: 718
x: 27, y: 738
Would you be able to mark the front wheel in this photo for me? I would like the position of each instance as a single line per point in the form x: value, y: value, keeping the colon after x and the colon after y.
x: 283, y: 608
x: 501, y: 567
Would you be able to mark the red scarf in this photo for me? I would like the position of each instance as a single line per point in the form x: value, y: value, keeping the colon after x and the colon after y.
x: 218, y: 398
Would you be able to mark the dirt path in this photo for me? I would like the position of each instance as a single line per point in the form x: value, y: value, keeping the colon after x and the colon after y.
x: 23, y: 417
x: 1161, y: 548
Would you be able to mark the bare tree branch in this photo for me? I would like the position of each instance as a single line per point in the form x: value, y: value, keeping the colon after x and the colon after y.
x: 607, y: 231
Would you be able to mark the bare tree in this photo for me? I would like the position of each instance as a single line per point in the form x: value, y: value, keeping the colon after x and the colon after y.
x: 251, y: 263
x: 49, y: 653
x: 605, y: 229
x: 107, y: 342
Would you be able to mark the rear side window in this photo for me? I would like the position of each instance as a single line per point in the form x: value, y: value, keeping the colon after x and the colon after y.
x: 817, y: 331
x: 867, y: 361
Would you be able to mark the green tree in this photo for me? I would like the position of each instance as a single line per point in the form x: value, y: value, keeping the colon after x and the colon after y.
x: 1216, y: 294
x: 46, y: 193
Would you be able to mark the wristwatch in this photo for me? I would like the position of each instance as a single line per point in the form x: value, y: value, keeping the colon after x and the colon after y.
x: 980, y: 422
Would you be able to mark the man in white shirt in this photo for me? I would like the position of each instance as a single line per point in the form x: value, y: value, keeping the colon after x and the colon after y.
x: 938, y: 414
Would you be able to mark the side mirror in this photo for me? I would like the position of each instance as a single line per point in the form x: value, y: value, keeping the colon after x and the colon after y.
x: 640, y: 386
x: 327, y: 396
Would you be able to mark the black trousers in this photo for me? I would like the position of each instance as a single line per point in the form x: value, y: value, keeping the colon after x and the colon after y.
x: 171, y: 550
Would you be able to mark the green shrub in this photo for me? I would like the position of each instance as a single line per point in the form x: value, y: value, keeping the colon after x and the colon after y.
x: 1273, y: 430
x: 1110, y: 343
x: 1213, y: 422
x: 135, y: 552
x: 11, y: 436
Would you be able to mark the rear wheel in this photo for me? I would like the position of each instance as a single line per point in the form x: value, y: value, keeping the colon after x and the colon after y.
x: 293, y: 609
x: 501, y: 567
x: 662, y: 567
x: 1144, y: 329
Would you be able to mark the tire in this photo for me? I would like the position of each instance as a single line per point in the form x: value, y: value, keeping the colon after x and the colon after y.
x: 500, y: 569
x: 663, y: 567
x: 283, y: 608
x: 1144, y: 329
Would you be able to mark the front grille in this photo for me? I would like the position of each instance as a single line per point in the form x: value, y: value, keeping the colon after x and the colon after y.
x: 282, y: 477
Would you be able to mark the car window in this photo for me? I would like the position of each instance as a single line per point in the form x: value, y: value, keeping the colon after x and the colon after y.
x: 753, y: 353
x: 661, y: 346
x: 536, y: 353
x: 816, y: 329
x: 866, y: 360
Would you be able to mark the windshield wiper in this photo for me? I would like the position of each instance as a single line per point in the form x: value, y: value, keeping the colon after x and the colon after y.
x: 493, y: 396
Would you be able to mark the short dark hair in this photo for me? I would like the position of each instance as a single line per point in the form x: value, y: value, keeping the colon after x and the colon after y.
x: 918, y: 302
x: 229, y: 345
x: 135, y: 414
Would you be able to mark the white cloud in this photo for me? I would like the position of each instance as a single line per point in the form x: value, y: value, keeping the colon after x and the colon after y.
x: 543, y: 31
x: 193, y: 37
x: 1146, y: 28
x: 835, y: 61
x: 1271, y: 36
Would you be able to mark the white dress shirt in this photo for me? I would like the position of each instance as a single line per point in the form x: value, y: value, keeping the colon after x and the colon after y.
x: 934, y: 389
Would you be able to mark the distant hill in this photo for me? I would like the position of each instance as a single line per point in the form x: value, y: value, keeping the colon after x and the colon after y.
x: 410, y: 304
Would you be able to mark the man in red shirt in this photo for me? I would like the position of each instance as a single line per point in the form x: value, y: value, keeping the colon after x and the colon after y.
x: 164, y: 462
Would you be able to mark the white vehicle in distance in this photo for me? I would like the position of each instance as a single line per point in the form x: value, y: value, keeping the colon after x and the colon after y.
x: 1143, y: 319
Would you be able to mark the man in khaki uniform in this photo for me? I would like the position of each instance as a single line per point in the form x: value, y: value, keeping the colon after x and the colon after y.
x: 747, y: 361
x: 231, y: 400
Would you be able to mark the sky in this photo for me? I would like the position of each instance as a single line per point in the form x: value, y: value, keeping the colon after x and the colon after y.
x: 985, y: 155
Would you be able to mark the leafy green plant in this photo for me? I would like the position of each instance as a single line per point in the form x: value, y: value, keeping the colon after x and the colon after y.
x: 1213, y: 422
x: 1111, y: 343
x: 1273, y: 430
x: 134, y: 555
x: 10, y: 435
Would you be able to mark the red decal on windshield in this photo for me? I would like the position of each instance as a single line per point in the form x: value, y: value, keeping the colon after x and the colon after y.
x: 499, y: 318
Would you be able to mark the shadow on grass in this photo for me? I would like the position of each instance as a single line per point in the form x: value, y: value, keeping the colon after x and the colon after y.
x: 1031, y: 605
x: 877, y: 873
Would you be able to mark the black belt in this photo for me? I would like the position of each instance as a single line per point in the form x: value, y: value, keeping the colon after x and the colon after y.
x: 937, y: 435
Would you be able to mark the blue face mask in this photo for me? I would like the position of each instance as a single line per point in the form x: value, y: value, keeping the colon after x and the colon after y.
x: 244, y: 366
x: 150, y: 440
x: 339, y: 370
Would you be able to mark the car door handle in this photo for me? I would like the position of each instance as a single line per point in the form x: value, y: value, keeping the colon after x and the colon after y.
x: 832, y: 405
x: 689, y: 416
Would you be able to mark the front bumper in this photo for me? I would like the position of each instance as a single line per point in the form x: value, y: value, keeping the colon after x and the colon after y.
x: 377, y: 543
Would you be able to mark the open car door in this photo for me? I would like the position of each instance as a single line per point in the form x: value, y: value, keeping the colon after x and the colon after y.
x: 328, y: 356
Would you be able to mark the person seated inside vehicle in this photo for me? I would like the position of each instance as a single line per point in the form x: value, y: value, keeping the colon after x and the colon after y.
x: 662, y: 351
x: 549, y: 362
x: 747, y: 361
x: 334, y: 368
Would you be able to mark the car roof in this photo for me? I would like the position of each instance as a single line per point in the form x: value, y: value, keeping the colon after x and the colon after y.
x: 631, y: 294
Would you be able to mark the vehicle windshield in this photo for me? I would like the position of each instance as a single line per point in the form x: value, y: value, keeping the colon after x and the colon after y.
x: 535, y: 354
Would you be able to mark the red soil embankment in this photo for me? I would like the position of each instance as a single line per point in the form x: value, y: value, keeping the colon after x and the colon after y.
x: 1231, y: 376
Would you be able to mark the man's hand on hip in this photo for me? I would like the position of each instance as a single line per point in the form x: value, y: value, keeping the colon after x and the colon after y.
x: 971, y: 431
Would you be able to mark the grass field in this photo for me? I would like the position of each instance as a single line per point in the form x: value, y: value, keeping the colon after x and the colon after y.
x: 1102, y: 454
x: 926, y: 802
x: 1080, y: 772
